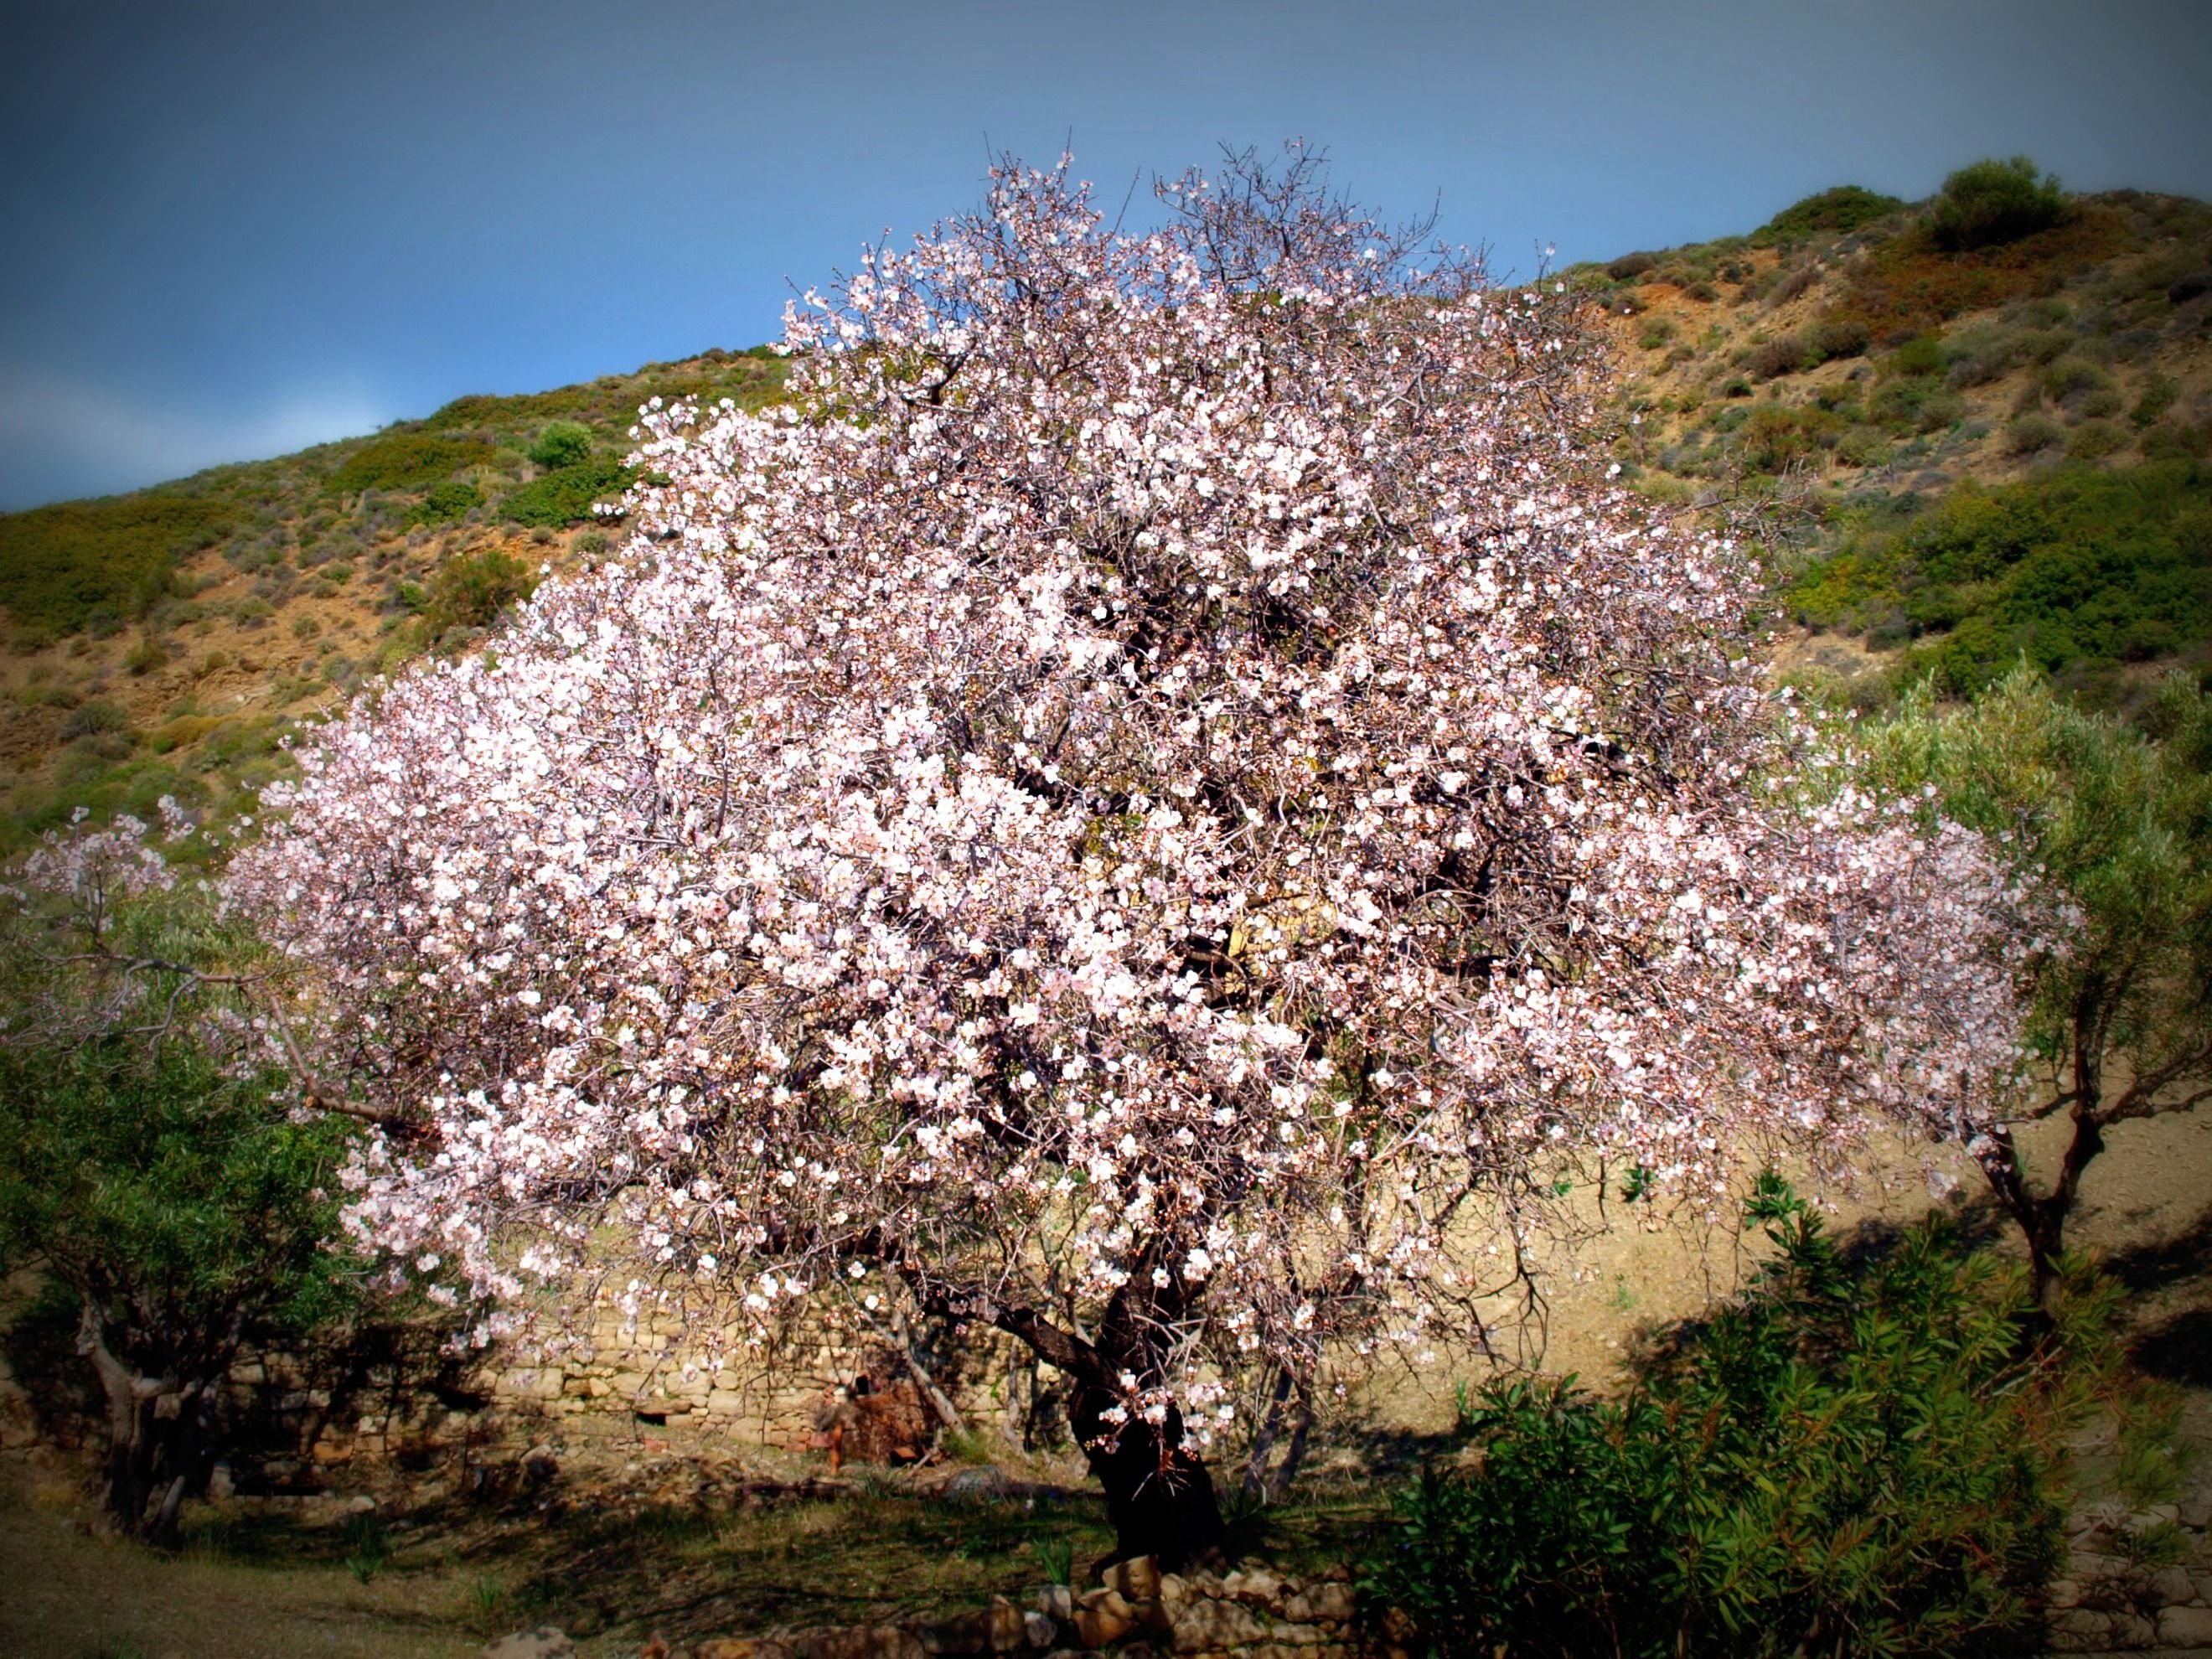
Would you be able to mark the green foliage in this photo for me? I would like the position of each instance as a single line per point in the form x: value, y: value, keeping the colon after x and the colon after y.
x: 1992, y: 202
x: 2075, y: 567
x: 408, y: 460
x: 442, y: 503
x: 2117, y: 817
x: 562, y: 443
x: 1857, y: 1457
x: 1835, y: 212
x: 471, y: 590
x: 565, y: 496
x: 62, y: 565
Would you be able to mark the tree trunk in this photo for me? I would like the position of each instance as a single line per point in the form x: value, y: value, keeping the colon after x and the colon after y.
x: 155, y: 1435
x: 1159, y: 1497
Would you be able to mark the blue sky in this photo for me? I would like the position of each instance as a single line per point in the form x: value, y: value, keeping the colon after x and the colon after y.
x: 238, y: 227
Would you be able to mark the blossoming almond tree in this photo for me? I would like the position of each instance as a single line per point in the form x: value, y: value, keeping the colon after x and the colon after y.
x: 1163, y: 789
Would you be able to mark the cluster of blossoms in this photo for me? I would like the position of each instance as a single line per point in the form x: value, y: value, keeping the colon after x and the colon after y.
x: 1154, y: 805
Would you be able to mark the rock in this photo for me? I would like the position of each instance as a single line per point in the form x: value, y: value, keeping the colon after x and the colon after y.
x: 740, y: 1647
x: 1329, y: 1602
x: 862, y: 1642
x: 1256, y: 1587
x: 2195, y: 1509
x: 1205, y: 1626
x: 999, y: 1628
x: 985, y: 1485
x: 222, y: 1483
x: 1040, y: 1629
x: 2078, y: 1630
x: 1056, y: 1602
x: 2185, y: 1627
x: 2172, y: 1587
x: 1104, y: 1616
x: 1138, y: 1578
x: 546, y: 1642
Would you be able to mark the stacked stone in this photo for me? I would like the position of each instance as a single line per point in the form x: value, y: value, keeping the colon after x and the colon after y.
x: 2138, y: 1582
x: 1139, y: 1613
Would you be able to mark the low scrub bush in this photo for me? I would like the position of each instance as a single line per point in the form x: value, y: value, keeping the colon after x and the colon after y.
x: 1994, y: 202
x: 1830, y: 213
x: 562, y: 443
x: 2066, y: 567
x: 472, y: 590
x: 565, y: 496
x: 1859, y: 1457
x: 408, y: 460
x: 443, y: 503
x: 1785, y: 355
x: 62, y: 567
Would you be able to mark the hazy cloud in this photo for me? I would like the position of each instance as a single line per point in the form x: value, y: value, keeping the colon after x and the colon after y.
x: 62, y: 438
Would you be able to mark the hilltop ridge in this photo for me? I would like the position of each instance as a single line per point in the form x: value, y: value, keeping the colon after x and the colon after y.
x: 1973, y: 450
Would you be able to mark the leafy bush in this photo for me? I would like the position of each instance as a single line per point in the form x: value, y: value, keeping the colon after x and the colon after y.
x: 1785, y: 355
x: 1989, y: 202
x: 2064, y: 566
x: 443, y: 503
x: 562, y: 443
x: 472, y: 590
x: 565, y: 497
x: 98, y: 718
x: 1838, y: 337
x: 2033, y: 434
x: 1835, y: 212
x: 1857, y: 1457
x: 61, y: 564
x: 407, y: 460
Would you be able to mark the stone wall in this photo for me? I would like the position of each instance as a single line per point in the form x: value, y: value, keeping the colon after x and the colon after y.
x: 388, y: 1392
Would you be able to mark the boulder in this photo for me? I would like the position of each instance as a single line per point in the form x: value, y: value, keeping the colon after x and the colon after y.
x: 862, y: 1642
x: 546, y: 1642
x: 2185, y: 1627
x: 1206, y: 1626
x: 1138, y: 1578
x: 1329, y: 1602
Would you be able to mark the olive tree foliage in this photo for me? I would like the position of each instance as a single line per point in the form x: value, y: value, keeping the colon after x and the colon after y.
x: 1150, y: 810
x: 154, y: 1160
x: 2118, y: 819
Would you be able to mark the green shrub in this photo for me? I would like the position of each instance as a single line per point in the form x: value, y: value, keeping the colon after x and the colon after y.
x: 1835, y: 212
x: 2072, y: 379
x: 2031, y: 434
x: 408, y: 460
x: 2062, y: 567
x: 565, y: 497
x: 62, y: 566
x: 1838, y: 337
x: 562, y: 443
x: 1988, y: 203
x: 98, y: 718
x: 472, y: 590
x: 2093, y: 440
x: 1785, y: 355
x: 1857, y: 1457
x: 443, y: 502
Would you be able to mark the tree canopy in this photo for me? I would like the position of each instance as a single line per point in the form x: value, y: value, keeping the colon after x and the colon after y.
x: 1150, y: 809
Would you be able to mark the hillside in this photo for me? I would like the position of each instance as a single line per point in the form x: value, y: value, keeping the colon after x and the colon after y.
x: 164, y: 641
x: 1967, y: 451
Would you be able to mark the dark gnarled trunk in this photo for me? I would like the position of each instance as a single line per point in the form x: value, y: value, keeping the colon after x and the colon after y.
x: 1159, y: 1497
x: 156, y: 1431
